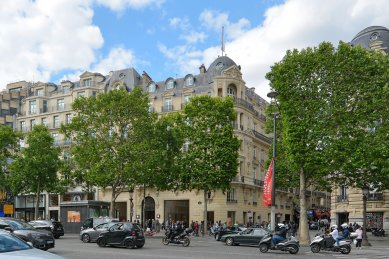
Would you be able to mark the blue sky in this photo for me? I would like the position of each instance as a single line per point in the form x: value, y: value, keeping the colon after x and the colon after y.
x: 53, y: 40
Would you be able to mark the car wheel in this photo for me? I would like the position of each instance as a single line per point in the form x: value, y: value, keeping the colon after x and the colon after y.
x: 293, y: 249
x: 85, y: 238
x: 140, y: 246
x: 165, y: 241
x: 315, y: 248
x: 129, y: 244
x: 229, y: 241
x: 56, y: 237
x: 101, y: 242
x: 263, y: 248
x: 186, y: 242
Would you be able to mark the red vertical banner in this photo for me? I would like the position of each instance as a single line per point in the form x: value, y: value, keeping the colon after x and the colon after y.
x: 267, y: 186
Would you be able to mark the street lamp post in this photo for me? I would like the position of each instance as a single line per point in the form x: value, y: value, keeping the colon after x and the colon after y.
x: 365, y: 242
x: 273, y: 95
x: 131, y: 192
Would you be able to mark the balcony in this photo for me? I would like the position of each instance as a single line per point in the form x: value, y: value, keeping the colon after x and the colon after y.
x: 342, y: 198
x: 258, y: 182
x: 375, y: 196
x: 247, y: 105
x: 261, y: 136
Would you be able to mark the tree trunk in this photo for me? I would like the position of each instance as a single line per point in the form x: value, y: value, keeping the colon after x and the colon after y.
x: 205, y: 211
x: 303, y: 228
x: 38, y: 191
x: 112, y: 207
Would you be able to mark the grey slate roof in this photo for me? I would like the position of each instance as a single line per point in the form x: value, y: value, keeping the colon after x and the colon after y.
x: 370, y: 35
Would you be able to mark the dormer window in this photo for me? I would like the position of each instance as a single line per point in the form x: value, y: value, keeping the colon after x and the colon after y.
x: 189, y: 81
x: 88, y: 82
x: 151, y: 87
x: 170, y: 84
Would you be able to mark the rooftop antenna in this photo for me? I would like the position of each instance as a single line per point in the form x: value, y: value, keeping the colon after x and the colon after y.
x: 223, y: 47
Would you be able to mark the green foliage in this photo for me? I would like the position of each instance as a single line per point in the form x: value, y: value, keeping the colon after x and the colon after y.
x: 35, y: 169
x: 212, y: 158
x: 330, y: 100
x: 8, y: 147
x: 114, y: 139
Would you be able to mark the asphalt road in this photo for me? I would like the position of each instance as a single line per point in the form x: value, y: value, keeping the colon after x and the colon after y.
x: 71, y: 247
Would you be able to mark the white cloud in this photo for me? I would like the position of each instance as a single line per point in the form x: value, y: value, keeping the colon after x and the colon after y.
x: 42, y: 37
x: 193, y: 37
x: 293, y: 24
x: 121, y: 5
x: 182, y: 23
x: 215, y: 21
x: 118, y: 58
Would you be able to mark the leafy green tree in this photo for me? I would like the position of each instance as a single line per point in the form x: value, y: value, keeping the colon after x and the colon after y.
x: 36, y: 168
x: 328, y: 100
x: 359, y: 118
x: 299, y: 79
x: 211, y: 160
x: 8, y: 148
x: 113, y: 135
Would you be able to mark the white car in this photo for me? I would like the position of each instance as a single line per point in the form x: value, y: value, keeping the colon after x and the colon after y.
x: 12, y: 246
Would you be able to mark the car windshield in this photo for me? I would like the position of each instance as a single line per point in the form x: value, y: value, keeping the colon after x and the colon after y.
x: 10, y: 243
x: 19, y: 225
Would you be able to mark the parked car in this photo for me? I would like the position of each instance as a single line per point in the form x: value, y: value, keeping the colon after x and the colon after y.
x: 51, y: 225
x: 11, y: 246
x: 91, y: 234
x: 41, y: 239
x: 125, y: 234
x: 230, y: 230
x: 250, y: 236
x: 93, y: 222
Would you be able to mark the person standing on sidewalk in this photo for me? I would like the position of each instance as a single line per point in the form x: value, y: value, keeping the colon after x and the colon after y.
x: 359, y: 233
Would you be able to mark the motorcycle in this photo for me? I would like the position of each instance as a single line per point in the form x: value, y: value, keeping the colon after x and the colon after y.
x: 378, y: 232
x: 182, y: 238
x: 290, y: 244
x: 327, y: 243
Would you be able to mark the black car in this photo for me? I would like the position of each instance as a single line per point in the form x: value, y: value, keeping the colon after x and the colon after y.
x: 251, y: 236
x: 41, y: 239
x: 229, y: 230
x: 124, y: 234
x: 51, y: 225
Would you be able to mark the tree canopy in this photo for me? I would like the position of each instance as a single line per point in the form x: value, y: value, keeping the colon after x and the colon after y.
x: 210, y: 157
x: 35, y: 169
x: 113, y: 136
x: 328, y: 100
x: 8, y: 147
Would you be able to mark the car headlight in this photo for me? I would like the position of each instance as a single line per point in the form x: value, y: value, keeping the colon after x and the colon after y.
x: 35, y: 235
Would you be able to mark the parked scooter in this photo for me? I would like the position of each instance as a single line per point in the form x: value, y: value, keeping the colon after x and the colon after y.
x: 378, y: 232
x: 327, y: 243
x: 290, y: 244
x: 182, y: 238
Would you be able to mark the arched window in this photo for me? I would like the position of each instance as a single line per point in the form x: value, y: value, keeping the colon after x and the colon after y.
x: 231, y: 91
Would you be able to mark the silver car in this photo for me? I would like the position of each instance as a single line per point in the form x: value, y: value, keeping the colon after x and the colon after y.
x: 91, y: 234
x: 12, y: 246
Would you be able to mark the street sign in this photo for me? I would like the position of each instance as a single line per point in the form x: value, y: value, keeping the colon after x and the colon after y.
x: 8, y: 209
